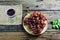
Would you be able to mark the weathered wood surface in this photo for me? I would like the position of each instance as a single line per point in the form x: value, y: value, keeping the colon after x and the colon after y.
x: 48, y: 35
x: 17, y: 33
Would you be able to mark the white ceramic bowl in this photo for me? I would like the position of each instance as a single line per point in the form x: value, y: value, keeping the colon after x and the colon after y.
x: 28, y: 30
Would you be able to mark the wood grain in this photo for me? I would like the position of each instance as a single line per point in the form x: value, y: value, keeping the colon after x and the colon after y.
x: 48, y: 35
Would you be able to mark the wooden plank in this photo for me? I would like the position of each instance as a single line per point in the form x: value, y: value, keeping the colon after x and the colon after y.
x: 25, y: 36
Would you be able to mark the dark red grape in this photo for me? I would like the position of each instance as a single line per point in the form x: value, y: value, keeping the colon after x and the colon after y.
x: 26, y: 20
x: 34, y: 13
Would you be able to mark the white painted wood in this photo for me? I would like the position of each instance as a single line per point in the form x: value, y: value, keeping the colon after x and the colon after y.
x: 6, y: 20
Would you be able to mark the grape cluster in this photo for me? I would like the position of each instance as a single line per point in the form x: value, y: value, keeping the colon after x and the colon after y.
x: 36, y: 22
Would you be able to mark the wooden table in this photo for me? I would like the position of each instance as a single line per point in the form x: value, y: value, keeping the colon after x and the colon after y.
x: 25, y: 36
x: 17, y: 32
